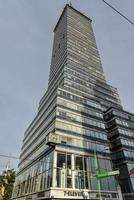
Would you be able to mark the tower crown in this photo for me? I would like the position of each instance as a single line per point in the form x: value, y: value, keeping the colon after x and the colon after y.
x: 71, y: 7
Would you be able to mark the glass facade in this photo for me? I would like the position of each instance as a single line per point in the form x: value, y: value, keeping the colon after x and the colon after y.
x: 73, y: 109
x: 70, y: 170
x: 120, y: 126
x: 131, y: 173
x: 79, y: 172
x: 36, y: 178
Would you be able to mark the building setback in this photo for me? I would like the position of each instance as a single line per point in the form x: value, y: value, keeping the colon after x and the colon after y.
x: 71, y: 116
x: 120, y: 126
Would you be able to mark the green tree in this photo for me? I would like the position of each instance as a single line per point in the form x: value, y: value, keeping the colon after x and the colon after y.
x: 6, y: 181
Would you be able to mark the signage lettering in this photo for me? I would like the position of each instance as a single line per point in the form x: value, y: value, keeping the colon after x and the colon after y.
x: 72, y: 193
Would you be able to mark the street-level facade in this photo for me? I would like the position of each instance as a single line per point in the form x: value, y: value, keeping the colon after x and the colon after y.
x: 120, y: 126
x: 71, y: 111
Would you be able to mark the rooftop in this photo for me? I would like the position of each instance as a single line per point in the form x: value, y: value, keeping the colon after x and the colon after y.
x: 69, y: 6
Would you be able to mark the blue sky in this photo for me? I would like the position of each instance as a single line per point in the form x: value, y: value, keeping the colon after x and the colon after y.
x: 26, y: 37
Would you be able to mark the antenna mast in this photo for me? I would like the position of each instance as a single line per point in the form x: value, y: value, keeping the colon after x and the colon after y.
x: 70, y: 3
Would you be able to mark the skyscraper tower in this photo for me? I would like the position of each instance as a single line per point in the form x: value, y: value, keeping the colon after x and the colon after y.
x: 57, y: 155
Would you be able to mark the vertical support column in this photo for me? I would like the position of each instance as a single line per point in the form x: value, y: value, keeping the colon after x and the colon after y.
x: 73, y: 172
x: 88, y: 172
x: 119, y: 192
x: 99, y: 189
x: 54, y: 181
x: 97, y: 171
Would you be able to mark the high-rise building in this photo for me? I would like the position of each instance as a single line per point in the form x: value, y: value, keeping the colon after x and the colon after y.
x: 57, y: 158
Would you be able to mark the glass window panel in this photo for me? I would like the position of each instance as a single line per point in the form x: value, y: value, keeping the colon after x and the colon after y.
x: 93, y: 183
x: 87, y: 180
x: 61, y: 160
x: 104, y: 184
x: 132, y: 181
x: 69, y: 182
x: 69, y: 171
x: 47, y: 163
x: 92, y: 164
x: 85, y: 164
x: 108, y: 165
x: 69, y: 161
x: 42, y: 182
x: 79, y: 179
x: 101, y: 163
x: 58, y: 177
x: 112, y: 183
x: 89, y: 167
x: 78, y: 163
x: 48, y: 178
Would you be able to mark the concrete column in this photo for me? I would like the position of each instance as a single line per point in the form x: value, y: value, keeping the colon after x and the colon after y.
x: 54, y: 181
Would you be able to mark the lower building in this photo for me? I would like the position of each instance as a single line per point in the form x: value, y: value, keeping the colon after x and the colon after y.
x: 120, y: 126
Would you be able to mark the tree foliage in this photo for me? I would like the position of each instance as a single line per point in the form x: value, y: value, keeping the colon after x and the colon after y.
x: 6, y: 184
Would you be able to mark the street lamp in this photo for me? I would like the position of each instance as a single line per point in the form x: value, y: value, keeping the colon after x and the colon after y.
x: 97, y: 171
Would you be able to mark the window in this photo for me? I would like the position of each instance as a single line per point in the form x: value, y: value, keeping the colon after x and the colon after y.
x: 79, y: 174
x: 78, y: 163
x: 121, y: 122
x: 71, y: 116
x: 69, y: 171
x: 64, y: 172
x: 37, y: 177
x: 61, y: 160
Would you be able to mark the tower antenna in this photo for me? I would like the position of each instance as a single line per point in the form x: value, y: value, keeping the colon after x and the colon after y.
x: 70, y: 3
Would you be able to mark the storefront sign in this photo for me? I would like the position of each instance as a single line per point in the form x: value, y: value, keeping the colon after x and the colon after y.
x: 131, y: 171
x: 77, y: 194
x: 73, y: 193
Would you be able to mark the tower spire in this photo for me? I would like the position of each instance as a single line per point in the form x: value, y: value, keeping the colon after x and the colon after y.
x: 70, y: 3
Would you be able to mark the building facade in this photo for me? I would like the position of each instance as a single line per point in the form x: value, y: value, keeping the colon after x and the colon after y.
x: 71, y: 115
x: 120, y: 126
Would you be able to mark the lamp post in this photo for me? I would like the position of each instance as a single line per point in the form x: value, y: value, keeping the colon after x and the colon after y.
x: 97, y: 171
